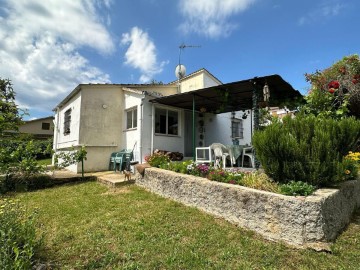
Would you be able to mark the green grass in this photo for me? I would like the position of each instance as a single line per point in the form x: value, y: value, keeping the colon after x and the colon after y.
x: 46, y: 161
x: 88, y: 227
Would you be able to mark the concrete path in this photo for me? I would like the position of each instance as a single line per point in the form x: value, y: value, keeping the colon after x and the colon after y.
x: 110, y: 178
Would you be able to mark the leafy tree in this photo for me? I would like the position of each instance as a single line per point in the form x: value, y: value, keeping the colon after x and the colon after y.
x: 17, y: 155
x: 10, y: 118
x: 335, y: 91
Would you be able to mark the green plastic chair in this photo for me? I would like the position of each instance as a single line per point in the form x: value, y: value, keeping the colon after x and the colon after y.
x: 112, y: 164
x: 121, y: 158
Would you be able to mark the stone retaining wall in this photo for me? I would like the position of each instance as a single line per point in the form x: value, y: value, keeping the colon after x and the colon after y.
x: 311, y: 221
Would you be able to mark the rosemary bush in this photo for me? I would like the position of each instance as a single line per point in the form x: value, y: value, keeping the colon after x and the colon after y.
x: 307, y: 149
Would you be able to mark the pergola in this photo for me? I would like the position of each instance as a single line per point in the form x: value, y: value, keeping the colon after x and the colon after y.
x: 252, y: 94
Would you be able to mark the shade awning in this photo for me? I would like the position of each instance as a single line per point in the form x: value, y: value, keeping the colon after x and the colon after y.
x: 235, y: 96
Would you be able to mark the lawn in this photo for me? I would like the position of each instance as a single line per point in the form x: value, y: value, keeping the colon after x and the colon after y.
x: 46, y: 161
x: 88, y: 226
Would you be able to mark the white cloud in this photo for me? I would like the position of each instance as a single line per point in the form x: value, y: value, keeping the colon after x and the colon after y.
x: 141, y: 54
x: 211, y: 18
x: 325, y: 10
x: 39, y: 48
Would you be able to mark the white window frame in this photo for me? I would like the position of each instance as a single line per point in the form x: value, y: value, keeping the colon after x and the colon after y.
x: 134, y: 120
x: 167, y: 121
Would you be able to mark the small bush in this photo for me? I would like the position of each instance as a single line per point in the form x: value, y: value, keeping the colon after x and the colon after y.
x: 177, y: 166
x: 157, y: 159
x: 18, y: 239
x: 259, y: 181
x: 297, y: 188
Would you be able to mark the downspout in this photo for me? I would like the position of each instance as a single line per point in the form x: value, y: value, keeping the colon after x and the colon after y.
x: 152, y: 128
x: 141, y: 128
x: 256, y: 118
x: 57, y: 130
x: 193, y: 127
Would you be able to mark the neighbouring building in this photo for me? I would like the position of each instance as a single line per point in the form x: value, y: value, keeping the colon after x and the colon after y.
x: 41, y: 128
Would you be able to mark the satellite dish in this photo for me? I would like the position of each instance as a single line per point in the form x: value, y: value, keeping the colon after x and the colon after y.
x: 180, y: 71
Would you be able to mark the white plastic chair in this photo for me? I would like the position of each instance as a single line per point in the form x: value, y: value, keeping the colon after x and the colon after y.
x: 203, y: 155
x: 248, y: 151
x: 220, y: 151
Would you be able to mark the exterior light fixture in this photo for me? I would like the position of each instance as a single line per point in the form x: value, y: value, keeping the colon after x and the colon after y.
x: 202, y: 109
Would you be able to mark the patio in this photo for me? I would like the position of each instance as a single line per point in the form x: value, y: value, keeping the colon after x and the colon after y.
x: 251, y: 94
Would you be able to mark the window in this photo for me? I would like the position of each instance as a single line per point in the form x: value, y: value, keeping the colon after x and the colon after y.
x: 237, y: 131
x: 166, y: 122
x: 131, y: 118
x: 67, y: 120
x: 45, y: 126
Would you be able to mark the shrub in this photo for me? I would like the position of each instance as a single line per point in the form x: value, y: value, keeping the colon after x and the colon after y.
x: 306, y: 148
x: 176, y: 166
x: 157, y: 159
x: 18, y: 240
x: 297, y: 188
x: 259, y: 181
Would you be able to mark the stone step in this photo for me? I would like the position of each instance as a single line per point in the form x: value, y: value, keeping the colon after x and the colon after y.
x: 113, y: 180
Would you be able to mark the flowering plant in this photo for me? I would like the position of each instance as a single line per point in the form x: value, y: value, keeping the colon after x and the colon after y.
x: 157, y: 159
x: 335, y: 91
x: 199, y: 169
x: 218, y: 175
x: 349, y: 167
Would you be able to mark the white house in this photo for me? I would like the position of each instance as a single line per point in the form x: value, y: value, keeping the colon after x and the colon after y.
x: 110, y: 117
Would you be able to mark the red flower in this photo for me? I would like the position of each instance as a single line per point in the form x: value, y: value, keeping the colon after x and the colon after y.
x: 331, y: 90
x: 355, y: 81
x: 334, y: 84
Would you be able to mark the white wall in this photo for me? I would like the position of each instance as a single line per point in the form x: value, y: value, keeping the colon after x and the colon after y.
x: 209, y: 81
x: 132, y: 136
x: 146, y: 133
x: 218, y: 128
x: 65, y: 141
x: 197, y: 81
x: 96, y: 122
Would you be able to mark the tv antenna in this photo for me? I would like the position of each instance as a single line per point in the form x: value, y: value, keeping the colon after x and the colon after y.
x: 180, y: 70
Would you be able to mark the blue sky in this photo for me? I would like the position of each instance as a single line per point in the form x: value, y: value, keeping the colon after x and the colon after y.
x: 48, y: 47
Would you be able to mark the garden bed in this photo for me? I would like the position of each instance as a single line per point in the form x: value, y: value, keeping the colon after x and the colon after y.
x: 313, y: 221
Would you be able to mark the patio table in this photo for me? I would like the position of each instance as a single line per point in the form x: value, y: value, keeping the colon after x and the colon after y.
x: 235, y: 151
